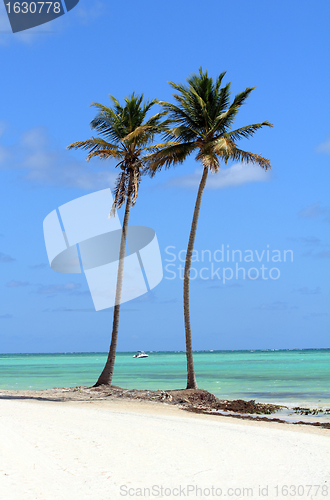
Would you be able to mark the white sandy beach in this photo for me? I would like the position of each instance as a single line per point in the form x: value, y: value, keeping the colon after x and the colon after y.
x: 114, y: 449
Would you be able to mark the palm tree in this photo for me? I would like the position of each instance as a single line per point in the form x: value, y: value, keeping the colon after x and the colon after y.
x: 201, y: 121
x: 127, y: 137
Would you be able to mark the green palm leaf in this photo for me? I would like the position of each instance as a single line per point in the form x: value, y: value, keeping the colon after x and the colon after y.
x: 127, y: 135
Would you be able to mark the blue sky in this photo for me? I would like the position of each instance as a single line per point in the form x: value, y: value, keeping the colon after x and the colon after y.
x: 50, y: 76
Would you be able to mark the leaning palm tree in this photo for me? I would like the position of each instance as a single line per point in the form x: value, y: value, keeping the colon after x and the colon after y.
x: 126, y: 137
x: 201, y: 121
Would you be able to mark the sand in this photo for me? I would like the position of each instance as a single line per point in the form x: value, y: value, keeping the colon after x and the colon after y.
x: 117, y: 449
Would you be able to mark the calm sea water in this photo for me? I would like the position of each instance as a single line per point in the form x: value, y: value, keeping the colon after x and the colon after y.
x: 281, y: 376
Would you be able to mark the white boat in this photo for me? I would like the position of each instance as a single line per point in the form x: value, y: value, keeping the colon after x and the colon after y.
x: 141, y: 354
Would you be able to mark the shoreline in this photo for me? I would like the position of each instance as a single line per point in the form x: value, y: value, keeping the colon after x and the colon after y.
x: 189, y: 401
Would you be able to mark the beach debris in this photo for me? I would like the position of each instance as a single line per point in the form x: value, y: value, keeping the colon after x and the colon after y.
x: 311, y: 411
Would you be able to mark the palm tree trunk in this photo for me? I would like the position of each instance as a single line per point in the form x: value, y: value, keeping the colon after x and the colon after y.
x: 191, y: 379
x: 106, y: 376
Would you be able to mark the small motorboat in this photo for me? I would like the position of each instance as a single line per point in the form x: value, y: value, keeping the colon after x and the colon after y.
x: 141, y: 354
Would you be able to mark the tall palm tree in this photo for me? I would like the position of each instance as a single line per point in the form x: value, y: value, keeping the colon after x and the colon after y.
x: 126, y: 136
x: 201, y: 121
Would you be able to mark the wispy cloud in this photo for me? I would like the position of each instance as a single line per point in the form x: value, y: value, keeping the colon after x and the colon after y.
x: 5, y: 28
x: 88, y: 12
x: 324, y: 254
x: 66, y: 309
x: 6, y: 316
x: 324, y: 147
x: 69, y: 287
x: 222, y: 286
x: 313, y: 211
x: 313, y: 243
x: 274, y: 306
x: 6, y: 258
x: 27, y: 37
x: 3, y: 151
x: 2, y: 123
x: 315, y: 315
x: 307, y: 240
x: 17, y: 284
x: 39, y: 266
x: 236, y: 175
x: 305, y: 290
x: 44, y: 163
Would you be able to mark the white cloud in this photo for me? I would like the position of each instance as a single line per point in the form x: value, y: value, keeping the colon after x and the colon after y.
x: 307, y: 240
x: 315, y: 315
x: 274, y: 306
x: 236, y: 175
x: 312, y: 211
x: 6, y: 316
x: 305, y: 290
x: 5, y: 29
x: 69, y: 287
x: 323, y: 255
x: 39, y: 266
x: 44, y: 163
x: 66, y: 309
x: 324, y: 147
x: 4, y: 154
x: 2, y: 128
x: 6, y: 258
x: 95, y: 9
x: 7, y: 36
x: 16, y: 284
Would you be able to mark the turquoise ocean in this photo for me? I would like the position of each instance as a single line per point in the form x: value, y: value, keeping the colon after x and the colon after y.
x: 274, y: 376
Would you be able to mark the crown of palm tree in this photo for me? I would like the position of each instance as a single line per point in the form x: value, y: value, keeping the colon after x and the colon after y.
x: 201, y: 121
x: 126, y: 135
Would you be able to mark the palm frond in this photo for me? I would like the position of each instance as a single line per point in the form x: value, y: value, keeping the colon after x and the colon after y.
x: 242, y: 96
x: 118, y: 108
x: 235, y: 154
x: 182, y: 134
x: 219, y: 81
x: 209, y: 159
x: 157, y: 147
x: 223, y: 121
x: 182, y: 115
x: 222, y: 101
x: 135, y: 184
x: 110, y: 125
x: 93, y: 142
x: 246, y: 132
x: 105, y: 154
x: 155, y: 119
x: 149, y: 105
x: 119, y: 193
x: 144, y: 133
x: 168, y: 156
x: 127, y: 135
x: 95, y: 145
x: 202, y: 117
